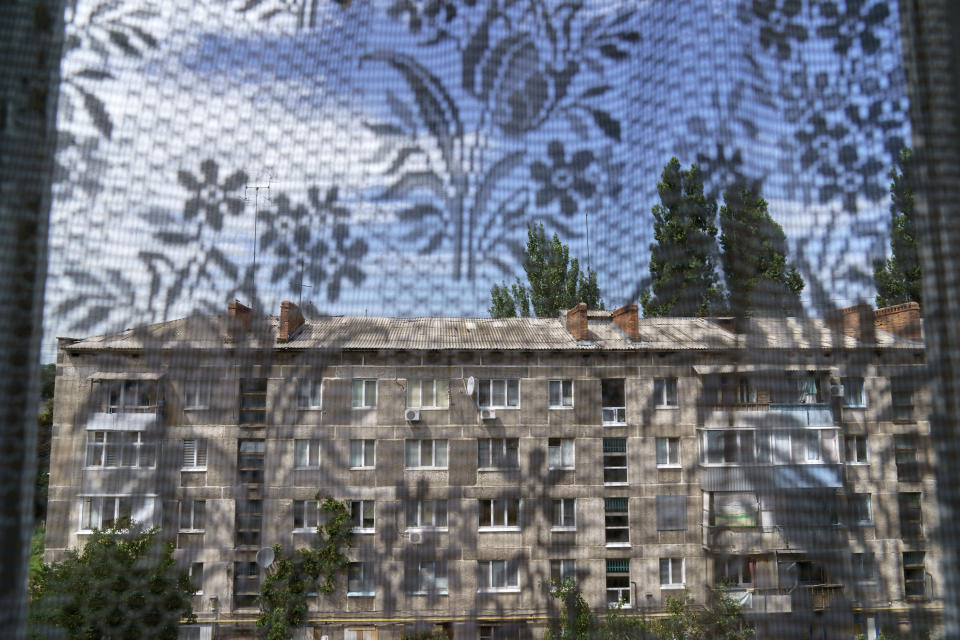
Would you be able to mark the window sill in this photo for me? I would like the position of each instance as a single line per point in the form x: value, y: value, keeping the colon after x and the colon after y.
x: 618, y: 545
x: 499, y: 469
x: 426, y: 529
x: 316, y: 468
x: 192, y: 531
x: 616, y: 484
x: 355, y: 468
x: 305, y: 530
x: 673, y: 407
x: 570, y: 468
x: 316, y: 408
x: 430, y: 408
x: 363, y: 532
x: 359, y: 594
x: 563, y: 529
x: 426, y: 468
x: 614, y: 424
x: 496, y: 408
x: 498, y: 590
x: 666, y: 587
x: 559, y: 408
x: 198, y: 408
x: 430, y: 593
x: 364, y: 408
x: 498, y: 529
x: 669, y: 466
x: 857, y: 464
x: 192, y: 469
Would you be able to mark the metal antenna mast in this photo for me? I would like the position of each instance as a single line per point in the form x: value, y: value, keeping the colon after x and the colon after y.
x: 301, y: 285
x: 256, y: 208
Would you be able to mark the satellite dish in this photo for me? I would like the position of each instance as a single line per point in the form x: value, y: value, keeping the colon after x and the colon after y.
x: 471, y: 383
x: 265, y: 557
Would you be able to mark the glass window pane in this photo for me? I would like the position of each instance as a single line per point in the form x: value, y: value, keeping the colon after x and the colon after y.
x: 426, y: 391
x: 357, y: 399
x: 499, y: 393
x: 412, y: 453
x: 441, y: 453
x: 443, y: 393
x: 413, y: 393
x: 513, y: 393
x: 300, y: 453
x: 554, y: 393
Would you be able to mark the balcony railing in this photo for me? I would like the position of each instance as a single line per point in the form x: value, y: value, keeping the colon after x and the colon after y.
x: 122, y: 421
x: 798, y: 415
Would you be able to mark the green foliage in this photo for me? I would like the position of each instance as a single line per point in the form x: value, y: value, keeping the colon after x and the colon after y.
x: 759, y: 280
x: 48, y: 376
x: 575, y: 620
x: 435, y: 634
x: 291, y: 577
x: 723, y: 618
x: 36, y: 552
x: 898, y: 278
x: 683, y: 256
x: 554, y: 282
x: 42, y: 478
x: 121, y: 584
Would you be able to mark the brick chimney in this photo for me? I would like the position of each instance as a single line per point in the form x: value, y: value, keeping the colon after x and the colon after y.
x: 576, y: 322
x: 291, y: 319
x: 626, y: 317
x: 238, y: 320
x: 855, y: 321
x: 901, y: 320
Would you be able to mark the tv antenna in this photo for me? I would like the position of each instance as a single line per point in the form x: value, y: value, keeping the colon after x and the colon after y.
x: 259, y: 185
x: 301, y: 285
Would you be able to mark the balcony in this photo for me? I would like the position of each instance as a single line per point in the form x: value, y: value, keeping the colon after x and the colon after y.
x: 762, y: 600
x: 123, y: 421
x: 771, y: 415
x: 743, y: 540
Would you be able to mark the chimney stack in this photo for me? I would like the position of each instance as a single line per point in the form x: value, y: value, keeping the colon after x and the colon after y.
x: 291, y: 319
x: 901, y: 320
x: 856, y: 321
x: 627, y: 318
x: 238, y: 320
x: 576, y: 322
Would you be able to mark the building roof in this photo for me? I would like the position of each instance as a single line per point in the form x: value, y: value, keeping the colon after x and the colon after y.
x: 506, y: 334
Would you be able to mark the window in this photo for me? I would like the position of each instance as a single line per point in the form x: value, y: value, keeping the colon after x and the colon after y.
x: 810, y: 573
x: 309, y: 393
x: 618, y: 583
x: 861, y: 508
x: 665, y: 392
x: 613, y: 402
x: 360, y: 634
x: 194, y: 456
x: 746, y: 391
x: 811, y: 442
x: 905, y: 454
x: 306, y: 515
x: 103, y: 512
x: 196, y: 394
x: 250, y: 461
x: 911, y: 515
x: 853, y: 392
x: 914, y: 573
x: 427, y: 514
x: 668, y: 452
x: 498, y: 575
x: 196, y: 577
x: 192, y: 516
x: 497, y: 453
x: 563, y: 515
x: 360, y: 580
x: 560, y: 394
x: 730, y: 446
x: 246, y: 584
x: 428, y: 394
x: 114, y: 449
x: 498, y: 394
x: 363, y: 454
x: 429, y: 577
x: 560, y: 453
x: 253, y: 401
x: 364, y: 394
x: 128, y: 396
x: 671, y: 513
x: 736, y: 571
x: 614, y: 461
x: 671, y: 572
x: 248, y: 516
x: 617, y: 522
x: 425, y: 454
x: 902, y: 401
x: 864, y: 567
x: 306, y: 453
x: 362, y: 516
x: 856, y: 449
x: 499, y: 513
x: 561, y: 570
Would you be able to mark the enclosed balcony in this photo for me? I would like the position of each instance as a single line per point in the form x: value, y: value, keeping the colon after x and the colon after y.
x: 124, y: 402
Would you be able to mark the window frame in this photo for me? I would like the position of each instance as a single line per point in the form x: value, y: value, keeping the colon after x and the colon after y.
x: 199, y: 446
x: 419, y: 510
x: 507, y: 449
x: 486, y: 575
x: 863, y: 567
x: 664, y: 390
x: 670, y: 563
x: 436, y: 444
x: 312, y: 451
x: 437, y: 393
x: 509, y: 506
x: 556, y: 449
x: 621, y: 589
x: 101, y: 501
x: 136, y: 440
x: 366, y: 508
x: 560, y: 385
x: 489, y: 383
x: 366, y: 446
x: 309, y: 393
x: 309, y: 515
x: 917, y: 562
x: 363, y: 401
x: 563, y: 568
x: 191, y: 510
x: 612, y: 468
x: 910, y: 528
x: 849, y: 383
x: 192, y: 571
x: 563, y: 514
x: 857, y: 502
x: 197, y: 393
x: 610, y: 525
x: 440, y: 572
x: 613, y: 415
x: 367, y: 579
x: 671, y: 445
x: 857, y: 440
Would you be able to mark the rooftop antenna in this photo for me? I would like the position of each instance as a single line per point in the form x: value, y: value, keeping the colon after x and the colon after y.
x: 266, y: 174
x: 301, y: 285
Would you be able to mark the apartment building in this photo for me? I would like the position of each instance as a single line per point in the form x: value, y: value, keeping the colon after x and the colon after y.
x: 481, y: 459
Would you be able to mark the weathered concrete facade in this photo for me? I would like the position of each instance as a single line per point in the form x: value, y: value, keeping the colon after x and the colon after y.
x: 788, y: 458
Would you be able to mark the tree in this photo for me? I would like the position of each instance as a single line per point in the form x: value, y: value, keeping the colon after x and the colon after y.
x: 683, y: 256
x: 759, y: 279
x: 898, y: 278
x: 283, y: 592
x: 554, y: 282
x: 122, y: 584
x: 575, y: 621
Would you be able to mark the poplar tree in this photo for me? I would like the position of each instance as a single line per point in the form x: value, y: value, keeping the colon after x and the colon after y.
x: 555, y: 282
x: 898, y: 278
x: 759, y: 279
x: 683, y: 256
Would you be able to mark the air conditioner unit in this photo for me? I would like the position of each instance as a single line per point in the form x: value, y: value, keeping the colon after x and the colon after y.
x: 488, y: 414
x: 412, y: 415
x: 416, y: 537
